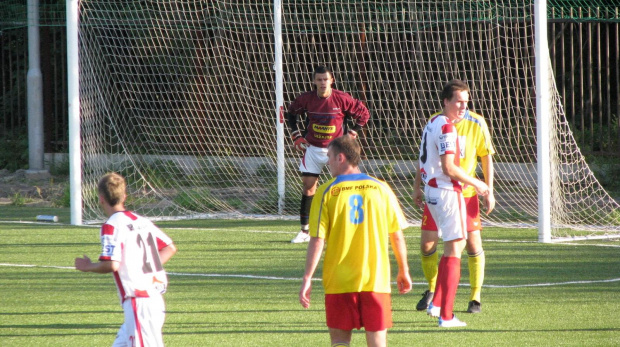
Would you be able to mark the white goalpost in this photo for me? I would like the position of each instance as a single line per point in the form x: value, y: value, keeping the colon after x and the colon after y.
x: 186, y: 100
x: 543, y: 113
x: 279, y: 94
x: 75, y: 161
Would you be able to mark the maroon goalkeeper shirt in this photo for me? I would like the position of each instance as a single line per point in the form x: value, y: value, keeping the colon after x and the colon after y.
x: 325, y: 116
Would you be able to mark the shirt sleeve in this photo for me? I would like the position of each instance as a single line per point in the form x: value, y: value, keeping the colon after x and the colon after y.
x: 297, y: 106
x: 397, y: 221
x: 110, y: 245
x: 357, y: 110
x: 319, y: 215
x: 162, y: 239
x: 447, y: 141
x: 485, y: 146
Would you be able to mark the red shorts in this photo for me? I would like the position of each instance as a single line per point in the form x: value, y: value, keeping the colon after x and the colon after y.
x: 349, y: 311
x: 473, y: 216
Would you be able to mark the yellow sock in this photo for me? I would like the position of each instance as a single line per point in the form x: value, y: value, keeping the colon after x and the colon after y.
x: 476, y: 274
x: 340, y: 344
x: 430, y: 268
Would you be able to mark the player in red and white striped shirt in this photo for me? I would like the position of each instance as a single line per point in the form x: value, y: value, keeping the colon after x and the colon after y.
x: 134, y: 251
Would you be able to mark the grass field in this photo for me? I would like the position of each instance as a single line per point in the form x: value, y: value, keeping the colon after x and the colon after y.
x: 235, y: 283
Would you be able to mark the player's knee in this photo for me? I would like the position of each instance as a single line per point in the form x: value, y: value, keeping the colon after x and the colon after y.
x: 474, y: 242
x: 309, y: 188
x: 473, y: 247
x: 428, y: 245
x: 427, y: 250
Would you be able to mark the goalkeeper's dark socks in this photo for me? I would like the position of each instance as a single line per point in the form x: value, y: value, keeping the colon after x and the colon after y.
x: 304, y: 209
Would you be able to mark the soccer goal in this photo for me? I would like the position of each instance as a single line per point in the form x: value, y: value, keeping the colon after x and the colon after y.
x: 185, y: 98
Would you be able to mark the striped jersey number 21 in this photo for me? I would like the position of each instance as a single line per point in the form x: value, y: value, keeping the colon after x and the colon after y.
x: 150, y: 242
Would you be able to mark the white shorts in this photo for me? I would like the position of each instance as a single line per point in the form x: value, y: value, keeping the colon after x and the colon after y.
x: 449, y: 212
x: 144, y: 320
x: 314, y: 160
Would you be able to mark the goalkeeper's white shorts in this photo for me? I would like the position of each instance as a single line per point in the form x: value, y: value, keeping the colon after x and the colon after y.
x: 449, y: 212
x: 144, y: 320
x: 314, y: 160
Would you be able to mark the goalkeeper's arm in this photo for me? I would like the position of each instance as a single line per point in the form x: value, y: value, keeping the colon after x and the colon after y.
x: 353, y: 132
x: 292, y: 121
x: 298, y: 139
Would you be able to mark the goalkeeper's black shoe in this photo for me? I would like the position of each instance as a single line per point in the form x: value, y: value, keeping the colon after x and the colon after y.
x: 427, y: 298
x: 474, y: 307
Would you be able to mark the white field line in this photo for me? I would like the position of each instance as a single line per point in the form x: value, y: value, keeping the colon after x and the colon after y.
x: 228, y: 230
x: 315, y: 279
x: 275, y: 278
x: 407, y: 235
x: 54, y: 224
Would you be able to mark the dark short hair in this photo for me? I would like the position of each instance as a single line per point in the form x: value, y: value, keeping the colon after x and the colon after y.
x: 453, y: 86
x: 112, y: 186
x: 322, y: 69
x: 348, y: 146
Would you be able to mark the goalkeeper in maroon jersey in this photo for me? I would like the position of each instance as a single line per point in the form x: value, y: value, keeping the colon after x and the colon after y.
x: 325, y: 111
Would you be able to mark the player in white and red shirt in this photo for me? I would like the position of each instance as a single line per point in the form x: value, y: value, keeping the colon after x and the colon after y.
x: 439, y: 138
x: 325, y: 109
x: 475, y: 147
x: 439, y: 169
x: 134, y: 250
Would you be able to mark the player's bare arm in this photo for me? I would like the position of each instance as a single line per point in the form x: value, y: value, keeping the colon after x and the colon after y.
x: 167, y: 252
x: 399, y: 247
x: 313, y: 256
x: 455, y: 172
x: 488, y: 171
x: 86, y: 265
x: 418, y: 195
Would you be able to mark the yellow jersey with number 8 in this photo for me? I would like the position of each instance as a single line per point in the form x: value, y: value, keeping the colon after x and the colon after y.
x: 355, y: 214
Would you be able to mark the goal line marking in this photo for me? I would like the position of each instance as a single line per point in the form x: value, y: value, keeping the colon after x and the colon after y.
x: 276, y: 278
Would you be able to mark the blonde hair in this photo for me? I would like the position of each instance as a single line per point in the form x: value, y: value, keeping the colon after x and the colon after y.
x: 112, y: 187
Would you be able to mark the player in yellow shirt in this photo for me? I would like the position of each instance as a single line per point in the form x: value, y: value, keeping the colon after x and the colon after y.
x: 474, y: 143
x: 356, y: 216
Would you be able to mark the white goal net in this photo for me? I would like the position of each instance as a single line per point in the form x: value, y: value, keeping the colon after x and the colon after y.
x: 179, y: 97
